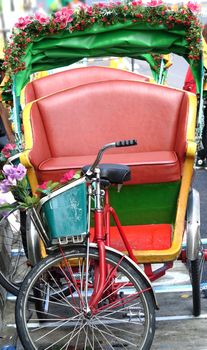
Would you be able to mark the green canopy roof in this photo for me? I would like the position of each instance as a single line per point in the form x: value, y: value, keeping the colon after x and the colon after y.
x: 129, y: 37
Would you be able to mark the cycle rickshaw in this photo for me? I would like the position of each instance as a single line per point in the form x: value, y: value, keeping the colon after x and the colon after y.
x: 92, y: 295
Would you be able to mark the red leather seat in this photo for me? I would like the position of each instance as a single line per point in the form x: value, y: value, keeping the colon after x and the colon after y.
x: 74, y: 77
x: 73, y: 124
x: 146, y: 167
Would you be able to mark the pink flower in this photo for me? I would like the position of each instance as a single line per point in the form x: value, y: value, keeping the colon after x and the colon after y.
x: 5, y: 153
x: 67, y: 176
x: 137, y: 3
x: 64, y: 16
x: 23, y: 22
x: 43, y: 186
x: 154, y: 3
x: 193, y: 6
x: 41, y: 18
x: 89, y: 10
x: 101, y: 5
x: 9, y: 146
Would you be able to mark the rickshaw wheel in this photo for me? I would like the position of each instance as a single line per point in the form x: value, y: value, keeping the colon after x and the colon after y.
x: 14, y: 246
x: 119, y: 322
x: 195, y: 271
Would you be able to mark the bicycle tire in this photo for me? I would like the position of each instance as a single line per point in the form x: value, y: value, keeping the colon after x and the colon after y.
x: 195, y: 271
x: 137, y: 309
x: 13, y: 243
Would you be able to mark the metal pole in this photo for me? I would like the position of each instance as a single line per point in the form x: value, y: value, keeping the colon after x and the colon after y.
x: 3, y: 26
x: 132, y: 63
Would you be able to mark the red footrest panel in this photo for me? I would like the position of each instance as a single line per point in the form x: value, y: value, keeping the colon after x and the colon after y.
x: 142, y: 237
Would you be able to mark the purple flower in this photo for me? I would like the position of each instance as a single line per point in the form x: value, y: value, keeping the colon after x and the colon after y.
x: 20, y: 172
x: 14, y: 172
x: 2, y: 200
x: 5, y: 186
x: 9, y: 171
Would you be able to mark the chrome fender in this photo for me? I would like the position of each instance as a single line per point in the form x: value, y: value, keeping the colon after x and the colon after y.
x: 193, y: 241
x: 34, y: 253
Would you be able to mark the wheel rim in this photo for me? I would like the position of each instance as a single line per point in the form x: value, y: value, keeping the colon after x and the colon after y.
x: 121, y: 321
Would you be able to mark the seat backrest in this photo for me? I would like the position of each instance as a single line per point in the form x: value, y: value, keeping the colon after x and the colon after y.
x: 79, y: 121
x: 74, y: 77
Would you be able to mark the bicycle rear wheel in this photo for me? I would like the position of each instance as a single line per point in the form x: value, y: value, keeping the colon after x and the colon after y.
x: 14, y: 265
x: 123, y: 319
x: 195, y: 272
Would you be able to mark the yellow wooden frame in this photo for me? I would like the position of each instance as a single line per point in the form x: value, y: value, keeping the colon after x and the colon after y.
x: 24, y: 156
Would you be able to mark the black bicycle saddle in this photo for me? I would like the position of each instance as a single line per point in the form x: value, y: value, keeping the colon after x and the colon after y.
x: 114, y: 173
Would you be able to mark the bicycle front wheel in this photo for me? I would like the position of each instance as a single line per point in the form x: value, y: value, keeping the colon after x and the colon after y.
x: 124, y: 317
x: 13, y: 246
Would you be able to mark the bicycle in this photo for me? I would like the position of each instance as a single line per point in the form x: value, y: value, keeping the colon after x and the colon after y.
x: 99, y: 293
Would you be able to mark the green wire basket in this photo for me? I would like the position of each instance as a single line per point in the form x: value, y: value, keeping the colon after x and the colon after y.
x: 64, y: 211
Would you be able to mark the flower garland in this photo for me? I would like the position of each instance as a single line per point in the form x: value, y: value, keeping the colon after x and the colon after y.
x: 154, y: 12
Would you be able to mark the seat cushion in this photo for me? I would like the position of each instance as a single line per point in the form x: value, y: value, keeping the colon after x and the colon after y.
x: 146, y: 167
x: 141, y: 237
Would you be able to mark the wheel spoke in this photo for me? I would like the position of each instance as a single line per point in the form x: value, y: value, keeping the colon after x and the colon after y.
x: 68, y: 334
x: 104, y: 337
x: 59, y: 324
x: 114, y: 336
x: 121, y: 301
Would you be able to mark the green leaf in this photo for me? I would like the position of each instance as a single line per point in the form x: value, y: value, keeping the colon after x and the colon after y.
x: 7, y: 206
x: 54, y: 185
x: 35, y: 200
x: 24, y: 182
x: 28, y: 200
x: 49, y: 183
x: 39, y: 190
x: 77, y: 175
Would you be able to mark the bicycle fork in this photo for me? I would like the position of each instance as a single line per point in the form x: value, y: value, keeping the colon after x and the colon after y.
x: 100, y: 271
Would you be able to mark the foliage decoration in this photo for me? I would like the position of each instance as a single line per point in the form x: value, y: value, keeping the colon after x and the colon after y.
x: 28, y: 29
x: 8, y: 151
x: 13, y: 179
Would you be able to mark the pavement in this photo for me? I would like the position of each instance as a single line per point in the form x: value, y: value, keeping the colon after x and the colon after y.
x: 176, y: 328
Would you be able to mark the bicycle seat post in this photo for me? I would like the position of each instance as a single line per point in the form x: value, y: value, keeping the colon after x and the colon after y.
x: 98, y: 189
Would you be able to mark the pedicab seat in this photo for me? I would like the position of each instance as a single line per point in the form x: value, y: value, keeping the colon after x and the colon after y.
x: 64, y: 131
x: 74, y: 77
x: 74, y: 123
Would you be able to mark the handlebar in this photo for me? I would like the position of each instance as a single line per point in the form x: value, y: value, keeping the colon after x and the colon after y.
x: 124, y: 143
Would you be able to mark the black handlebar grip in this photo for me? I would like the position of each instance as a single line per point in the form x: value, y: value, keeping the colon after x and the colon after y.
x: 126, y: 143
